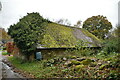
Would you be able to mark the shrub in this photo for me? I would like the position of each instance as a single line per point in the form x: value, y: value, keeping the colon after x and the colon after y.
x: 81, y: 50
x: 111, y: 45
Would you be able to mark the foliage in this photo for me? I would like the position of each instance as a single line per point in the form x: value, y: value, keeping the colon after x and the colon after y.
x: 114, y: 33
x: 111, y: 45
x: 86, y: 62
x: 114, y: 62
x: 9, y: 47
x: 117, y: 31
x: 80, y: 44
x: 79, y: 67
x: 75, y: 62
x: 98, y: 25
x: 25, y: 33
x: 81, y: 50
x: 108, y: 67
x: 4, y: 35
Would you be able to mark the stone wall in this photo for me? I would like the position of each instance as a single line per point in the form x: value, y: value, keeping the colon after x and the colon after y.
x: 52, y: 52
x: 17, y: 53
x: 47, y: 52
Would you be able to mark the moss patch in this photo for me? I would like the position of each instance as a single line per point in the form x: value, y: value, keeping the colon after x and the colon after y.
x: 78, y: 67
x: 97, y: 42
x: 58, y: 36
x: 75, y: 62
x: 86, y: 62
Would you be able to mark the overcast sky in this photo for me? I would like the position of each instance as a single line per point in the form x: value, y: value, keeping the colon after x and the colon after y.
x: 73, y: 10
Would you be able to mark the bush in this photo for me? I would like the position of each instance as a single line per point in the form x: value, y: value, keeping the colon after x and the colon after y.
x: 81, y: 50
x: 4, y: 48
x: 111, y: 45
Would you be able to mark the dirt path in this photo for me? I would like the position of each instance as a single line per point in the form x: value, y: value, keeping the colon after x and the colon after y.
x: 7, y: 71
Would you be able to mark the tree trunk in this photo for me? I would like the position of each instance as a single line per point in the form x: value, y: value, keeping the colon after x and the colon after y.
x: 27, y: 58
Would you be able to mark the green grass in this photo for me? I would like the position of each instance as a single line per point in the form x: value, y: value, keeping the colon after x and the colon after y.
x: 36, y: 68
x: 4, y: 53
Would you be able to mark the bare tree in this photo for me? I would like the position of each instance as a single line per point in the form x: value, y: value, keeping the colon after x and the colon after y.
x: 78, y: 24
x: 64, y: 22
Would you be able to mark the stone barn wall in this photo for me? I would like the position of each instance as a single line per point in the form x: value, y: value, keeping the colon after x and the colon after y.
x: 47, y: 52
x: 17, y: 53
x: 52, y: 52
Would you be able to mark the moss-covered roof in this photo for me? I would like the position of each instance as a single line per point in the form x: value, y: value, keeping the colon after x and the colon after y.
x: 57, y: 35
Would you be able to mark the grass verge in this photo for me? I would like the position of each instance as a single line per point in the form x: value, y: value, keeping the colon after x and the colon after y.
x: 4, y: 53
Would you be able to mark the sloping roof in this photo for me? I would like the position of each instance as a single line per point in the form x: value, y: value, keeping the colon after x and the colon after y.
x: 82, y: 34
x: 57, y: 35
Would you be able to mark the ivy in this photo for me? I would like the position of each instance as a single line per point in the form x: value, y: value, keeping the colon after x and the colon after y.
x: 25, y: 33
